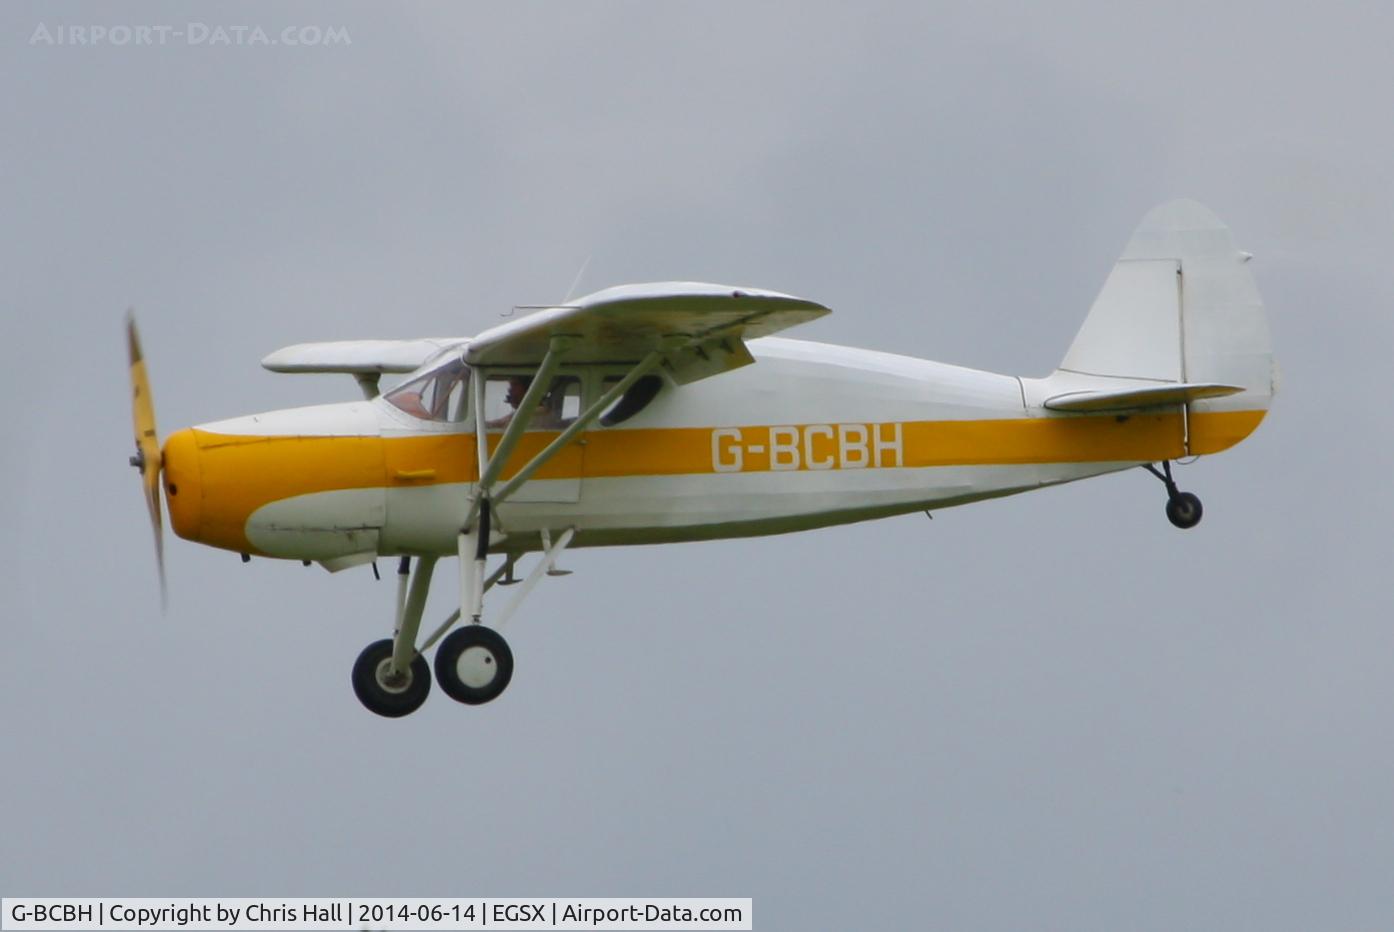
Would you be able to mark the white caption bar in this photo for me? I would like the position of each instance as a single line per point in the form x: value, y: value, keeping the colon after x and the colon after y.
x: 271, y: 914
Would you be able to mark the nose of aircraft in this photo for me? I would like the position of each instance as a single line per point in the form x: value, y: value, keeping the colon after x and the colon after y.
x: 183, y: 483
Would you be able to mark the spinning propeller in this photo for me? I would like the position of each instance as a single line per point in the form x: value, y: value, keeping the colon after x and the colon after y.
x: 147, y: 458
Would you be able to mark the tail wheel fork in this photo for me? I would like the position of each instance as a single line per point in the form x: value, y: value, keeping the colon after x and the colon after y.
x: 1183, y: 508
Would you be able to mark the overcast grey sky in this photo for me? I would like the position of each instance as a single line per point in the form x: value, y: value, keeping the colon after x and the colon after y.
x: 1048, y: 712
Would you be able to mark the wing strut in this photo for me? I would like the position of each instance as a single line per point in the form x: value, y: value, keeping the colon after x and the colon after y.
x: 473, y: 541
x: 542, y: 380
x: 586, y: 418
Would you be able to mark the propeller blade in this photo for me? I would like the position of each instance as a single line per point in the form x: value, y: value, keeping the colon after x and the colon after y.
x: 147, y: 458
x: 152, y: 501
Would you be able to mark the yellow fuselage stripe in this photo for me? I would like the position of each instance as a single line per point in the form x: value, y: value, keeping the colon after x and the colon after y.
x: 240, y: 474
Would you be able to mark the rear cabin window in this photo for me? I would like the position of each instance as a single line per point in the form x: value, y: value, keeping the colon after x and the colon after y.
x: 635, y: 399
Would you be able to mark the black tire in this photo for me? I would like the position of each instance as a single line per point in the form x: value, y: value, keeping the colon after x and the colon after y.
x: 486, y: 669
x: 1184, y: 510
x: 381, y: 699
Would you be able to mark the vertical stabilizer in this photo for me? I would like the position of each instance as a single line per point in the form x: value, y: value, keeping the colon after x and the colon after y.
x: 1180, y: 305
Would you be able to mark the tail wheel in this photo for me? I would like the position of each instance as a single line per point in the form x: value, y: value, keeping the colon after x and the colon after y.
x: 1183, y: 510
x: 384, y: 693
x: 474, y: 664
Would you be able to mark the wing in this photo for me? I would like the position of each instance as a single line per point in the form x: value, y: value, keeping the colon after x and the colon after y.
x: 358, y: 357
x: 700, y: 328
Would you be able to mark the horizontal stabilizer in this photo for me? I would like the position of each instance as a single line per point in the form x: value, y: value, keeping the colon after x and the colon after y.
x: 357, y: 356
x: 1117, y: 400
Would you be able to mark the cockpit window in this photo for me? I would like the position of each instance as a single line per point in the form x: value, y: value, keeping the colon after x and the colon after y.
x: 439, y: 395
x: 558, y: 407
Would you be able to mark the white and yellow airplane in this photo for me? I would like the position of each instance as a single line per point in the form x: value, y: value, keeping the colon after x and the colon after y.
x: 635, y: 416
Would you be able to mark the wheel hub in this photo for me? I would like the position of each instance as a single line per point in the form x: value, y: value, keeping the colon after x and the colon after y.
x: 392, y: 681
x: 476, y: 667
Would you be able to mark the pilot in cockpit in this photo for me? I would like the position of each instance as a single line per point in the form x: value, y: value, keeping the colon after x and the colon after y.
x: 543, y: 417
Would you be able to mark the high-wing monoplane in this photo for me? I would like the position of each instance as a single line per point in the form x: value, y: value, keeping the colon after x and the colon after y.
x: 669, y: 412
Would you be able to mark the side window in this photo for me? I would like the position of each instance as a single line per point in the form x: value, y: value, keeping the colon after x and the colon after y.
x: 635, y: 399
x: 439, y: 395
x: 560, y: 404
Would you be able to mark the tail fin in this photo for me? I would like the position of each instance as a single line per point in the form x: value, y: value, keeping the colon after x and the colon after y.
x: 1181, y: 306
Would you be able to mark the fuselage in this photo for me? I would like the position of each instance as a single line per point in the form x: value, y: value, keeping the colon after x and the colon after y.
x: 812, y: 435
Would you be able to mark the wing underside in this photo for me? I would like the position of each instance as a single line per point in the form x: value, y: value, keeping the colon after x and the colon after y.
x: 358, y: 357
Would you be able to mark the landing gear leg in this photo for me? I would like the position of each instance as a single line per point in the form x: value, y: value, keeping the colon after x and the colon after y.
x: 1183, y: 508
x: 474, y: 664
x: 473, y: 544
x: 391, y: 678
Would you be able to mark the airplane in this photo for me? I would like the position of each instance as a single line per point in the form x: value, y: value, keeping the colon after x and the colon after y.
x: 668, y: 412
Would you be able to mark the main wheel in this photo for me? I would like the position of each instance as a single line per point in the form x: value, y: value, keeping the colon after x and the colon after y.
x: 1184, y: 510
x: 383, y: 693
x: 474, y: 664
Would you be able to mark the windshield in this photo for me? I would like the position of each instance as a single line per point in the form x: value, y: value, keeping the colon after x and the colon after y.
x: 438, y: 395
